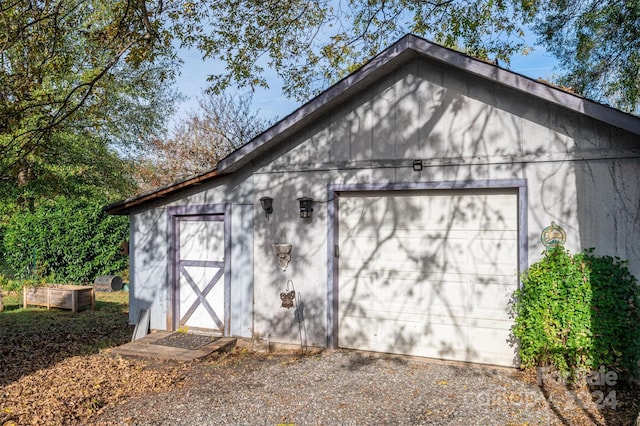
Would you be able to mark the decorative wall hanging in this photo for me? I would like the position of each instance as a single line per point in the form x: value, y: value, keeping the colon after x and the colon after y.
x: 553, y: 236
x: 283, y: 251
x: 287, y: 296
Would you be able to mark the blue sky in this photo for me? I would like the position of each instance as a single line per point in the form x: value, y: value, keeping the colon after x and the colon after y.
x: 193, y: 81
x: 272, y: 103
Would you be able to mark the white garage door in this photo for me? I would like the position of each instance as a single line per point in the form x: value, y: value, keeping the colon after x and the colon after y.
x: 428, y: 273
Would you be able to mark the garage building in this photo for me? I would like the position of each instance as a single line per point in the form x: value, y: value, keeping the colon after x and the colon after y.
x: 400, y: 205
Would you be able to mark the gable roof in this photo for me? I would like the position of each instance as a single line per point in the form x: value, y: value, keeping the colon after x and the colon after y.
x: 401, y: 52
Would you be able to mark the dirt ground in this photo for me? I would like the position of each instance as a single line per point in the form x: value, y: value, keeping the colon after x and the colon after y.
x: 55, y: 371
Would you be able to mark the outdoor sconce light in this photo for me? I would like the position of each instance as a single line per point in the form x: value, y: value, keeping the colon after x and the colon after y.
x: 267, y: 206
x: 306, y: 208
x: 417, y: 165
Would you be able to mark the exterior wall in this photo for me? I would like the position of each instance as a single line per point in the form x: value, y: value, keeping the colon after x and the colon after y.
x: 581, y: 174
x: 150, y: 264
x: 305, y: 273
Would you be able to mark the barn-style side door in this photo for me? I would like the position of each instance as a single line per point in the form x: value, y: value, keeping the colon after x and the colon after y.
x: 200, y: 287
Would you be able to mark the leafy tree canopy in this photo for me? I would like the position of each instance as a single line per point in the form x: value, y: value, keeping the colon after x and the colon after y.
x: 92, y: 75
x: 64, y: 240
x: 312, y: 43
x: 78, y: 79
x: 598, y: 46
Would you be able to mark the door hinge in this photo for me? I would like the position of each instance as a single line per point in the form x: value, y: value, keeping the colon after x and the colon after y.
x: 336, y: 250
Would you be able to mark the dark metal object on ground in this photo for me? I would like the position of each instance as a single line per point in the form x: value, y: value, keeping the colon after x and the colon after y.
x: 108, y: 283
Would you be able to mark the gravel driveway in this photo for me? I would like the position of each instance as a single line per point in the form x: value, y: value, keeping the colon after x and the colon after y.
x: 351, y: 388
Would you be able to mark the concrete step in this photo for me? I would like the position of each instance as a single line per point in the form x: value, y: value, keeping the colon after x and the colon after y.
x: 146, y: 347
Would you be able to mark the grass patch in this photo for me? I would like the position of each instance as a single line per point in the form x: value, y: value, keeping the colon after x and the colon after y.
x: 116, y: 301
x: 12, y: 301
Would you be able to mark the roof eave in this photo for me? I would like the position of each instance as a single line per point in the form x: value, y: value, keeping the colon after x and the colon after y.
x: 124, y: 207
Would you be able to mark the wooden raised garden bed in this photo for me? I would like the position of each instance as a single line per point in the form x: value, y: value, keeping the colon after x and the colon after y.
x: 60, y: 296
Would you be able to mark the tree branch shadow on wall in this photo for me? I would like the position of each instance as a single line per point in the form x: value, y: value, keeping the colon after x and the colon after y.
x: 431, y: 131
x: 426, y: 281
x: 472, y: 139
x: 455, y: 104
x: 607, y: 209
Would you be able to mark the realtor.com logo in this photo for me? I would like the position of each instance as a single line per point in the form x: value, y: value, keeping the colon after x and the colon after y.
x: 601, y: 378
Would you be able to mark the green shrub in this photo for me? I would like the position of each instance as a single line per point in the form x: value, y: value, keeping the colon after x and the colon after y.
x: 576, y: 313
x: 9, y: 284
x: 69, y: 240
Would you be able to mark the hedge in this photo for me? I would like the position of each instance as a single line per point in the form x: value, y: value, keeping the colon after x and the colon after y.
x: 70, y: 241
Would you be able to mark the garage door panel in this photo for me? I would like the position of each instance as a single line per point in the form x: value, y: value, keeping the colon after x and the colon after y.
x: 389, y: 255
x: 489, y: 271
x: 469, y: 210
x: 493, y: 256
x: 400, y: 334
x: 489, y: 323
x: 433, y: 339
x: 478, y: 316
x: 389, y: 246
x: 356, y: 294
x: 438, y: 315
x: 457, y: 252
x: 384, y: 269
x: 353, y: 334
x: 427, y: 264
x: 436, y: 341
x: 493, y: 296
x: 417, y: 231
x: 496, y: 246
x: 402, y: 292
x: 398, y: 289
x: 445, y: 294
x: 428, y: 273
x: 410, y: 306
x: 382, y: 298
x: 451, y: 288
x: 491, y: 346
x: 417, y: 277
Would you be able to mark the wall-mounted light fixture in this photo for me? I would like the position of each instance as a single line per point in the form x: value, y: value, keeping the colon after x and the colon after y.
x: 267, y: 206
x: 306, y: 207
x: 417, y: 165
